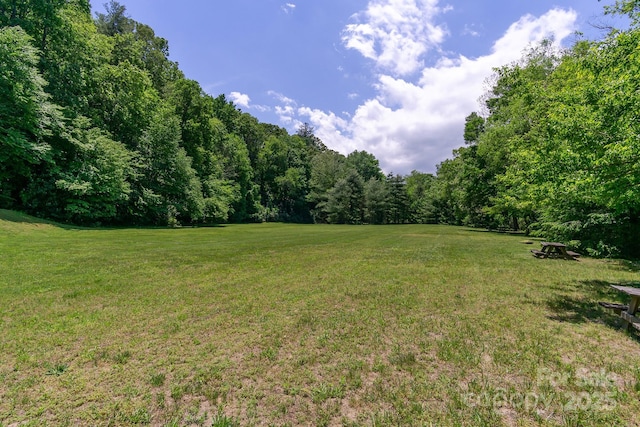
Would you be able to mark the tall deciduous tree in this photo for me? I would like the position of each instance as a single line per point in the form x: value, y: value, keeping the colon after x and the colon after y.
x: 365, y: 164
x: 89, y: 182
x: 283, y: 169
x: 123, y: 101
x: 168, y: 190
x: 26, y: 115
x: 473, y: 127
x: 75, y: 52
x: 327, y: 168
x: 421, y: 193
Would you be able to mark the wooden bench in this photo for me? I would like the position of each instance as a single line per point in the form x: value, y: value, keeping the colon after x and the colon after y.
x: 555, y: 250
x: 631, y: 319
x: 573, y: 254
x: 621, y: 310
x: 628, y: 316
x: 616, y: 307
x: 538, y: 254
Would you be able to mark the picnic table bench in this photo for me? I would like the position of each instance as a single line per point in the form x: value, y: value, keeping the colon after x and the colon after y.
x: 554, y: 250
x: 626, y: 312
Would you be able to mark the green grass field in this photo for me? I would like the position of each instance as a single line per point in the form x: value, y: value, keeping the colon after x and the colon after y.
x: 272, y: 324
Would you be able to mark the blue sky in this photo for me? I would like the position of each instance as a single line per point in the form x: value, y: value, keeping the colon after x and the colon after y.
x: 393, y: 77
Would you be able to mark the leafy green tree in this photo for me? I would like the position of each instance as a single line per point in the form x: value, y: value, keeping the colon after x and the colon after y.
x: 327, y: 168
x: 123, y: 101
x: 290, y: 196
x: 89, y: 183
x: 422, y: 198
x: 365, y: 164
x: 253, y: 133
x: 39, y: 18
x: 345, y: 201
x: 283, y: 172
x: 226, y: 112
x: 142, y: 48
x: 560, y: 145
x: 202, y: 134
x: 27, y: 117
x: 448, y: 192
x: 376, y: 201
x: 518, y: 106
x: 630, y: 8
x: 236, y: 172
x: 220, y: 158
x: 591, y: 150
x: 473, y: 127
x: 63, y: 32
x: 75, y: 52
x: 167, y: 190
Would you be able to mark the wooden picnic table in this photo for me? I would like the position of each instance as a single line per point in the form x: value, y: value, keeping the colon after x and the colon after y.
x: 627, y: 312
x: 554, y: 250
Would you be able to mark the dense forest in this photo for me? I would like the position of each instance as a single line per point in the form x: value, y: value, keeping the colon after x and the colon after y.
x: 99, y: 127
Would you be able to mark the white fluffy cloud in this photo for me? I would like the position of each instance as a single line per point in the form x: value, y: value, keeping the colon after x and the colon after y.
x: 244, y: 101
x: 288, y: 8
x: 395, y: 33
x: 415, y: 122
x: 240, y: 99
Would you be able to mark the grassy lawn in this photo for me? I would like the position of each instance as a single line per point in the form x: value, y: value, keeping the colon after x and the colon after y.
x: 272, y: 324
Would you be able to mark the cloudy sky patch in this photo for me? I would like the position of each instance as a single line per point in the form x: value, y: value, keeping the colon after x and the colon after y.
x: 393, y: 77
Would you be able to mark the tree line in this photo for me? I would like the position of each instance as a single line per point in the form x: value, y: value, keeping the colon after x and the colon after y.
x: 99, y: 126
x: 556, y: 151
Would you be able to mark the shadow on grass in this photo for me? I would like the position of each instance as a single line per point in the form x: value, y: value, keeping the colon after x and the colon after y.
x: 22, y: 218
x: 585, y: 308
x: 629, y: 265
x: 496, y: 231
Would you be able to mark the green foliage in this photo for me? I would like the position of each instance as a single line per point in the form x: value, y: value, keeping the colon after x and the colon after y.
x: 315, y: 144
x: 327, y: 168
x: 237, y: 170
x: 167, y: 190
x: 558, y: 154
x: 123, y: 101
x: 221, y: 420
x: 473, y: 127
x: 422, y: 197
x: 398, y: 212
x: 26, y: 115
x: 142, y: 144
x: 115, y: 21
x: 91, y: 181
x: 630, y: 8
x: 283, y: 172
x: 57, y: 369
x: 376, y: 201
x: 97, y: 125
x: 345, y: 200
x: 365, y: 164
x: 220, y: 158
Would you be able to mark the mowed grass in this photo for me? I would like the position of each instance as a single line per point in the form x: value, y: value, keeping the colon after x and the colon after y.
x: 273, y: 324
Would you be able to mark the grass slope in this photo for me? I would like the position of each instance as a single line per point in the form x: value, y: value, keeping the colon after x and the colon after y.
x: 272, y: 324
